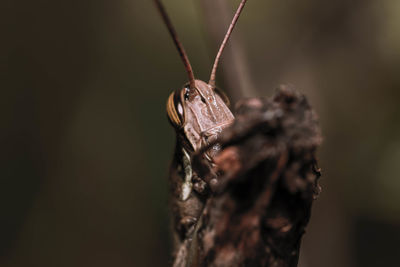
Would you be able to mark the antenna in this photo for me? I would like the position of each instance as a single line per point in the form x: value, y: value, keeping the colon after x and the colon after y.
x: 227, y: 35
x: 178, y: 44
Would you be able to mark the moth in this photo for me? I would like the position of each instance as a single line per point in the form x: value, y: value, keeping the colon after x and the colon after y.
x: 198, y: 112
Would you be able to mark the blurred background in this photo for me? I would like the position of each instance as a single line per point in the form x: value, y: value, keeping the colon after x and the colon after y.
x: 85, y: 143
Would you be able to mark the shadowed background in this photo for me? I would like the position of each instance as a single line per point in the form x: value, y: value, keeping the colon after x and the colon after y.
x: 85, y: 143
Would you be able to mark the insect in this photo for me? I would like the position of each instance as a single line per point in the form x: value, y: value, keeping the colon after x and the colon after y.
x: 198, y: 112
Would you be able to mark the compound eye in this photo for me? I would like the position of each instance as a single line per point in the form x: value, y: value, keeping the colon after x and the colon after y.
x: 223, y: 96
x: 175, y: 109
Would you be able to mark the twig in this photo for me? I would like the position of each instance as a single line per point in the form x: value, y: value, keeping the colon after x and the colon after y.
x: 261, y: 201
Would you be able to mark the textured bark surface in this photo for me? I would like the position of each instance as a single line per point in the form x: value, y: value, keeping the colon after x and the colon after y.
x: 263, y: 185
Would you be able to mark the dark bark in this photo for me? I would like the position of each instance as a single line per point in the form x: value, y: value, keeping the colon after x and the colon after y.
x: 263, y: 184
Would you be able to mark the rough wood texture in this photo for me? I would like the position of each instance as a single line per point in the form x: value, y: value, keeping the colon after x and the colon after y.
x: 263, y: 184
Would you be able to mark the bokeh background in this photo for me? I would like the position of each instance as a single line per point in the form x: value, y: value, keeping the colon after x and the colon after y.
x: 85, y: 143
